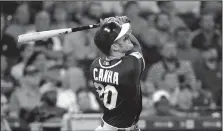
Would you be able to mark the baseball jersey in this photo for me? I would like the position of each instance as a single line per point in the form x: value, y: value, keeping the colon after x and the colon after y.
x: 117, y: 83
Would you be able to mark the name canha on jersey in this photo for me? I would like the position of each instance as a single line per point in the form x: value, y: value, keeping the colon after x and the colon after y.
x: 118, y: 85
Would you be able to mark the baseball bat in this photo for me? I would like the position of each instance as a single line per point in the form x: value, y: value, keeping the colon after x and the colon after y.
x: 51, y: 33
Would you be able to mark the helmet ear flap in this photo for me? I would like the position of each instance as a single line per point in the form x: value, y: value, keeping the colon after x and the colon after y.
x: 114, y: 47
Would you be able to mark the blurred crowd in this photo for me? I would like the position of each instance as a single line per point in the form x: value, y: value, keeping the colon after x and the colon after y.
x: 45, y: 79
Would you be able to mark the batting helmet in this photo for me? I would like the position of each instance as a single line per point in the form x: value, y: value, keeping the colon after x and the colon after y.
x: 108, y: 34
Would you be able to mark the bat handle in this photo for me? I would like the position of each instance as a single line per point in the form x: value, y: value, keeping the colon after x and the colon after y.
x: 85, y: 27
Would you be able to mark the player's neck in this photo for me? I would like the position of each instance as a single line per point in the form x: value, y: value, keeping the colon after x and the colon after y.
x: 116, y: 55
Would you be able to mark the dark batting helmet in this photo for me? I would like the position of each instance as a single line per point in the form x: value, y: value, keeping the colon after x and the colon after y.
x: 108, y: 34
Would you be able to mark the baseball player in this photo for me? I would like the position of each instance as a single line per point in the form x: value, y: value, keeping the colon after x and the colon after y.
x: 116, y: 76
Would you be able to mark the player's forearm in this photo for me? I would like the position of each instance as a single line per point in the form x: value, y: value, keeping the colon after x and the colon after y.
x: 135, y: 42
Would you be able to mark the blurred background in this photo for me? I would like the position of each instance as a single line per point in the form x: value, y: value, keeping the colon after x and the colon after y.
x: 45, y: 84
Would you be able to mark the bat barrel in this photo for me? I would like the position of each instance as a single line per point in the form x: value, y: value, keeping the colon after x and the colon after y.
x: 42, y: 35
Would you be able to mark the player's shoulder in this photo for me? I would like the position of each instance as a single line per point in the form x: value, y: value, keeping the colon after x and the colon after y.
x: 135, y: 57
x: 95, y: 62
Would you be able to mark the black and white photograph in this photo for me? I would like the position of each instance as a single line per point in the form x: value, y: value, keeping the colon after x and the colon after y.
x: 121, y: 65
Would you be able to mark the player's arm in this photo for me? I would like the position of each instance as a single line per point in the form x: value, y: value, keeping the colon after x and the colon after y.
x: 135, y: 42
x: 135, y: 69
x: 136, y: 53
x: 138, y: 60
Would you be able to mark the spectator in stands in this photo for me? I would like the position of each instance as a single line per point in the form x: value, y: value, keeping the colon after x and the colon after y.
x: 60, y: 18
x: 35, y: 6
x: 158, y: 36
x: 207, y: 35
x: 4, y: 112
x: 185, y: 50
x: 132, y: 11
x: 209, y: 71
x: 211, y: 7
x: 140, y: 31
x: 8, y: 83
x: 74, y: 45
x: 72, y: 79
x: 202, y: 99
x: 161, y: 101
x: 168, y: 7
x: 181, y: 93
x: 7, y: 121
x: 214, y: 7
x: 48, y: 110
x: 147, y: 90
x: 74, y: 76
x: 52, y: 46
x: 161, y: 33
x: 81, y: 45
x: 25, y: 98
x: 112, y: 7
x: 149, y: 16
x: 54, y: 74
x: 42, y: 21
x: 67, y: 98
x: 40, y: 61
x: 25, y: 52
x: 184, y: 98
x: 21, y: 21
x: 87, y: 101
x: 147, y: 106
x: 91, y: 53
x: 170, y: 82
x: 180, y: 70
x: 8, y: 44
x: 93, y: 13
x: 74, y: 10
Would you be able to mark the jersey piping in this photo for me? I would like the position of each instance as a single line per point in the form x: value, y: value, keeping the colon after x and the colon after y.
x: 107, y: 67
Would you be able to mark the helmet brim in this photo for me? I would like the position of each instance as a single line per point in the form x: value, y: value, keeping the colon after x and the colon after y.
x: 124, y: 29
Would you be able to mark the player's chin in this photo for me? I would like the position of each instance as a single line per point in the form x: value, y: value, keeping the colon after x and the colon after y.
x: 131, y: 46
x: 127, y: 48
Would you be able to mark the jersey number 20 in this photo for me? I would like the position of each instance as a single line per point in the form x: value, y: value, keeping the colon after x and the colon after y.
x: 110, y: 95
